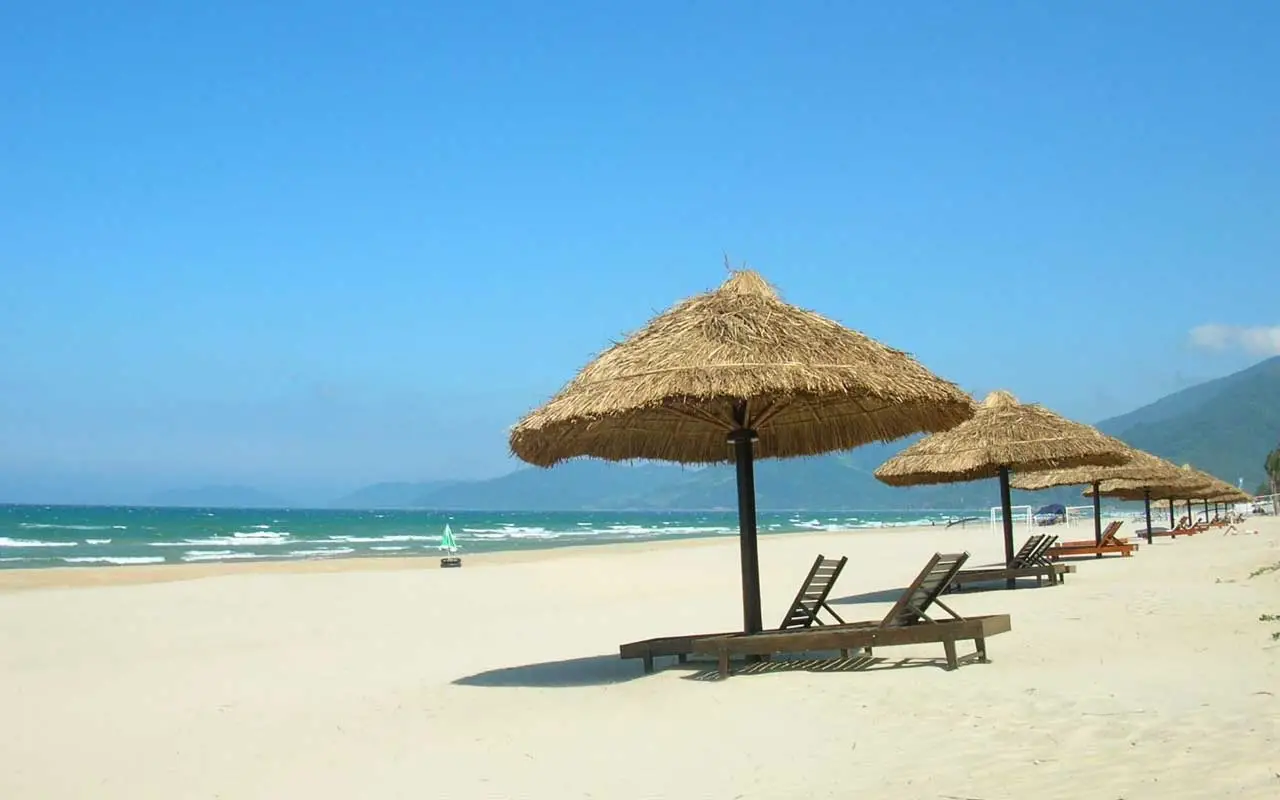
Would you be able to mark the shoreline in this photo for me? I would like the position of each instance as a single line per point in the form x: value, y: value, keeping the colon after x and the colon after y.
x: 33, y: 578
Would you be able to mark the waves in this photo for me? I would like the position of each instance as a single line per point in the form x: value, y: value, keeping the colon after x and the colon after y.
x: 71, y: 537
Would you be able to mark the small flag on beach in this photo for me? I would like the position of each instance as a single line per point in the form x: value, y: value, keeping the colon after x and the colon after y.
x: 447, y: 542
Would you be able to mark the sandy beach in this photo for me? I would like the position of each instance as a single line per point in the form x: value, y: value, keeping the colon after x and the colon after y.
x: 1143, y: 677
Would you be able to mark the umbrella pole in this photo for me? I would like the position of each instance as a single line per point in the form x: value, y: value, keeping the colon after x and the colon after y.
x: 1146, y: 495
x: 1190, y: 519
x: 1172, y: 523
x: 743, y: 440
x: 1206, y: 510
x: 1097, y: 517
x: 1006, y: 512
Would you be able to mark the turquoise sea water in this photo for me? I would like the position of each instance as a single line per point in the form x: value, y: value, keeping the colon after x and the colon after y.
x: 62, y: 536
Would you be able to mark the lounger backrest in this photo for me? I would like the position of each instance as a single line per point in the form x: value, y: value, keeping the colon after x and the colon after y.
x: 1109, y: 535
x: 1038, y: 557
x: 1024, y: 555
x: 912, y: 607
x: 813, y: 594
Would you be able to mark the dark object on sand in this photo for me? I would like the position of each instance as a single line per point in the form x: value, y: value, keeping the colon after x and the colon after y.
x: 451, y: 561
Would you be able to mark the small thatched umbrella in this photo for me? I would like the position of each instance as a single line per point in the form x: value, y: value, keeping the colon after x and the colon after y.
x: 1210, y: 485
x: 1175, y: 483
x: 1141, y: 466
x: 733, y: 369
x: 1004, y: 435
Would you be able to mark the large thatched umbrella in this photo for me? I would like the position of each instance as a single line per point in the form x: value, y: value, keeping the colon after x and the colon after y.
x: 1003, y: 435
x: 1142, y: 467
x: 731, y: 370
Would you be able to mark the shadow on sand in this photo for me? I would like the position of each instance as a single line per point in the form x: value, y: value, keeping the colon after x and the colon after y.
x: 571, y: 672
x: 878, y: 596
x: 605, y: 670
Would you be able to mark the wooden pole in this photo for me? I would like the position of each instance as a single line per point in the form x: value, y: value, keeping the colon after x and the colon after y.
x: 743, y: 451
x: 1097, y: 516
x: 1006, y: 511
x: 1147, y: 497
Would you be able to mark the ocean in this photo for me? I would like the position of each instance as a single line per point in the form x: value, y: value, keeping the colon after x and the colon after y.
x: 78, y: 536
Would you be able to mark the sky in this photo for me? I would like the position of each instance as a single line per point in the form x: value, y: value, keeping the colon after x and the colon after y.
x: 311, y: 247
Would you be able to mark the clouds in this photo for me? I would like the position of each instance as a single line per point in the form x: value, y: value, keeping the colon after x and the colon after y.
x: 1259, y: 340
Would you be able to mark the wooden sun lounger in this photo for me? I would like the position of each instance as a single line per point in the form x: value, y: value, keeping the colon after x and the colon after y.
x: 1111, y: 545
x: 1108, y: 537
x: 907, y: 622
x: 1029, y: 562
x: 810, y: 600
x: 1183, y: 528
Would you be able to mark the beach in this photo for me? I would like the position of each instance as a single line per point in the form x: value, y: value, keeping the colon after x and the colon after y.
x: 1142, y: 677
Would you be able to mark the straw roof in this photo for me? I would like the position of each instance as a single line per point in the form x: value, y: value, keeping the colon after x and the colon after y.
x: 731, y: 359
x: 1003, y: 433
x: 1141, y: 466
x: 1180, y: 484
x: 1137, y: 490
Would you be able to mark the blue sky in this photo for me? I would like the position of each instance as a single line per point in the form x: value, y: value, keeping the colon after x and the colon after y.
x: 307, y: 248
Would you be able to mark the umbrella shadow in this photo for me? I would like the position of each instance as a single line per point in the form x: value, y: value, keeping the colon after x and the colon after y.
x: 878, y: 596
x: 856, y: 663
x: 1000, y: 584
x: 599, y: 670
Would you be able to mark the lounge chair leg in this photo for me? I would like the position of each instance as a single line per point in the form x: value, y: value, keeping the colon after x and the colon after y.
x: 844, y: 653
x: 950, y: 646
x: 648, y: 663
x: 683, y: 658
x: 980, y: 647
x: 724, y: 663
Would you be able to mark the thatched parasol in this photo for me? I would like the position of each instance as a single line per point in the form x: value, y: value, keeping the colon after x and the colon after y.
x: 1142, y: 468
x: 1003, y: 435
x: 731, y: 370
x: 1211, y: 486
x: 1180, y: 483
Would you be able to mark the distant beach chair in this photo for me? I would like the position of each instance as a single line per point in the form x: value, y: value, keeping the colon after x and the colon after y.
x: 1029, y: 562
x: 908, y: 622
x: 810, y: 600
x: 1108, y: 537
x: 1111, y: 545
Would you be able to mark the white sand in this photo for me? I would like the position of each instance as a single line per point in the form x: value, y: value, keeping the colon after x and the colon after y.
x: 1147, y: 677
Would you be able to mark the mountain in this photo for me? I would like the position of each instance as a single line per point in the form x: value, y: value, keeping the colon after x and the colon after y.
x: 219, y: 497
x: 838, y: 481
x: 1225, y: 427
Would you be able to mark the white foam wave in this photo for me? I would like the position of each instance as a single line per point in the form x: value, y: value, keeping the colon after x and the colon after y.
x: 390, y: 549
x: 323, y: 551
x: 216, y: 555
x: 15, y: 558
x: 97, y: 541
x: 236, y: 539
x: 122, y: 560
x: 58, y: 527
x: 5, y: 541
x: 395, y: 537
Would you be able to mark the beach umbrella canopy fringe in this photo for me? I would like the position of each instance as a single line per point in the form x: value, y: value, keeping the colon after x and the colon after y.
x: 1002, y: 434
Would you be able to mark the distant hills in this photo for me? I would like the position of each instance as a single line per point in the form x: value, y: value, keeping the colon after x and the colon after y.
x: 1225, y: 427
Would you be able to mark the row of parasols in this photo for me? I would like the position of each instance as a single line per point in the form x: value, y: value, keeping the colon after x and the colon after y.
x: 737, y: 374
